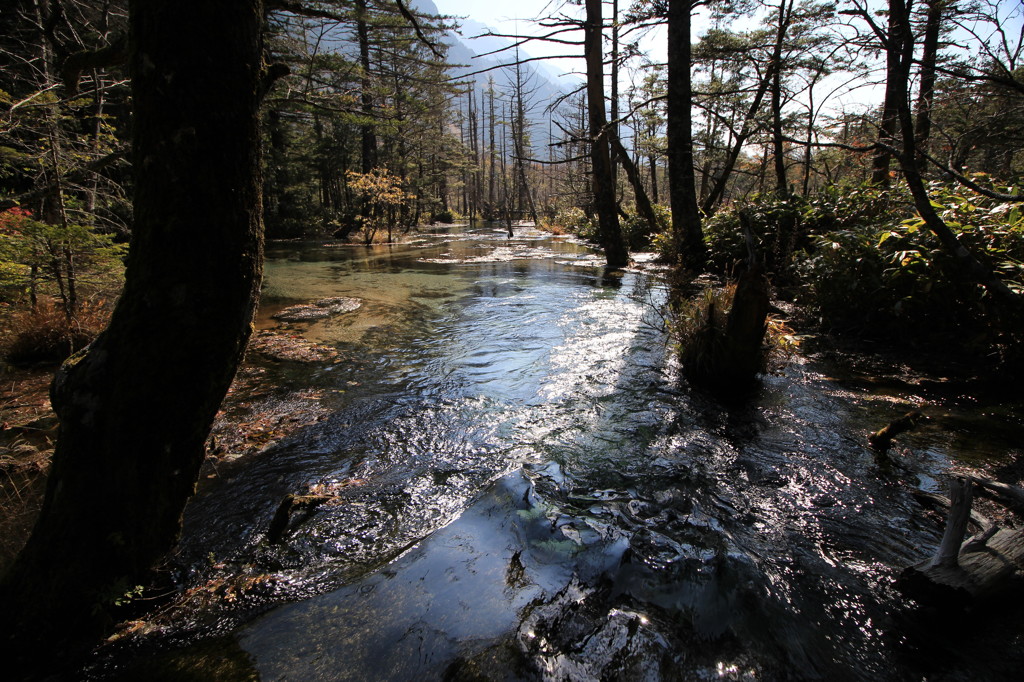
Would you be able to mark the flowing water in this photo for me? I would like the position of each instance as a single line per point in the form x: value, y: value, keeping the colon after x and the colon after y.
x: 523, y: 489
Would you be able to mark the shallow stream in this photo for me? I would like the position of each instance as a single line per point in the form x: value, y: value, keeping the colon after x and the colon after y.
x: 524, y: 489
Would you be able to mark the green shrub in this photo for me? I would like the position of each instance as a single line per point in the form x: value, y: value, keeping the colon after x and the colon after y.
x: 442, y: 217
x: 859, y: 264
x: 782, y: 228
x: 893, y: 278
x: 638, y: 233
x: 575, y: 220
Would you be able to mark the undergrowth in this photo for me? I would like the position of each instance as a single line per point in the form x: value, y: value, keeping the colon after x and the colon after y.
x: 46, y: 334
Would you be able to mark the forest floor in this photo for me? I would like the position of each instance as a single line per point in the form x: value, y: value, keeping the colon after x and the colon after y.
x: 27, y: 436
x: 253, y: 417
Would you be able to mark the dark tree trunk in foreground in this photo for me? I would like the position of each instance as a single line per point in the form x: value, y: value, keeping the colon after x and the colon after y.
x: 686, y: 222
x: 136, y: 409
x: 609, y: 232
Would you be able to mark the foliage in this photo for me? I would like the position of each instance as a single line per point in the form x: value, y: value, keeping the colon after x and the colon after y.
x: 37, y: 257
x: 892, y: 278
x: 861, y: 262
x: 336, y: 113
x: 383, y: 201
x: 575, y: 220
x: 443, y: 216
x: 637, y: 232
x: 785, y: 227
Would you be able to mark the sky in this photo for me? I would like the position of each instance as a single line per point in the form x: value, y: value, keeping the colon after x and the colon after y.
x: 516, y: 17
x: 502, y: 16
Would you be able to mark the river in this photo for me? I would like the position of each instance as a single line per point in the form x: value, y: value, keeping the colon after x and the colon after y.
x: 523, y: 488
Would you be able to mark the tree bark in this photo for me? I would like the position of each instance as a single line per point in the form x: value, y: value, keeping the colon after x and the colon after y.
x: 686, y: 221
x: 890, y: 123
x: 926, y: 91
x: 368, y: 137
x: 602, y: 183
x: 643, y: 202
x: 778, y: 144
x: 136, y: 407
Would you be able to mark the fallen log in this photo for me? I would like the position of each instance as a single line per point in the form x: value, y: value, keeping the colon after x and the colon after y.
x: 1009, y: 496
x: 979, y: 520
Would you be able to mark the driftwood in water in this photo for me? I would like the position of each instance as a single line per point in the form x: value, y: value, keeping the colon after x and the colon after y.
x: 289, y: 505
x: 1009, y: 496
x: 881, y: 440
x: 985, y: 565
x: 980, y: 521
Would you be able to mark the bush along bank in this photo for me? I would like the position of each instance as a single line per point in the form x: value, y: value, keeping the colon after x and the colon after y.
x: 860, y: 263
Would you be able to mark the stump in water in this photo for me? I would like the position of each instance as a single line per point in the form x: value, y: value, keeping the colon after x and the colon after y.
x: 726, y: 360
x: 745, y: 328
x: 960, y: 572
x: 726, y: 356
x: 289, y: 505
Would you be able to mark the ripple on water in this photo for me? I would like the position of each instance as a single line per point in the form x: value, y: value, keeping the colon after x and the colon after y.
x: 537, y: 497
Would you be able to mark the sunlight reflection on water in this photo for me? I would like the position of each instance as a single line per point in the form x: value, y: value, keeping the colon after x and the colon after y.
x: 538, y: 497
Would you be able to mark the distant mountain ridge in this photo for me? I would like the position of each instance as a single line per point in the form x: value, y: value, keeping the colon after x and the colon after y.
x: 542, y: 80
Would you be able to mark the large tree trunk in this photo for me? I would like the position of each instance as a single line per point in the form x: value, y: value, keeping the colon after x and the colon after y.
x: 686, y: 222
x: 602, y: 182
x: 926, y: 91
x: 136, y: 408
x: 778, y: 145
x: 890, y: 123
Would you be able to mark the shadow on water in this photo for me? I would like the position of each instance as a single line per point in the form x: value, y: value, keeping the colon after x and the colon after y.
x: 524, y: 491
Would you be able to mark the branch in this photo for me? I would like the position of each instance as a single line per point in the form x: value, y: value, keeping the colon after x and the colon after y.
x: 298, y: 9
x: 848, y: 147
x: 1005, y: 81
x: 970, y: 184
x: 112, y: 55
x: 419, y: 32
x: 91, y: 167
x: 508, y: 64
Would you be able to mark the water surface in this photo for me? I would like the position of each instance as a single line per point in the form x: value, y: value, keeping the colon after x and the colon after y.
x: 526, y: 490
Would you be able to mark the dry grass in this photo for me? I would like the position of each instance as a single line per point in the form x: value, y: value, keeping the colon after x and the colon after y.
x: 551, y: 227
x: 45, y: 334
x: 698, y: 327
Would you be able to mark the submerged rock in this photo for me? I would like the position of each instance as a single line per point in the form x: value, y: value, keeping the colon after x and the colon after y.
x: 280, y: 346
x: 319, y: 310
